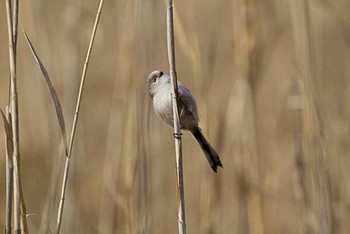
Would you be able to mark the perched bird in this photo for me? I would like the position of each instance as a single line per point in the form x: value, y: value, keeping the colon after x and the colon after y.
x: 159, y: 87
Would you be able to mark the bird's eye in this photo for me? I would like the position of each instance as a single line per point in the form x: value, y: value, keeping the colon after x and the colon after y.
x: 154, y: 80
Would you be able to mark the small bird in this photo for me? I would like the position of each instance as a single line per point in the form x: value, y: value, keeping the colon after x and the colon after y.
x: 159, y: 87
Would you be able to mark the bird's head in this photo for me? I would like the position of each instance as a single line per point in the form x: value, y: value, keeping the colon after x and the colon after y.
x: 154, y: 81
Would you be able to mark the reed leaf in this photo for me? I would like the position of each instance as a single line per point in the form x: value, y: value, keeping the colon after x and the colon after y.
x: 8, y: 132
x: 52, y: 90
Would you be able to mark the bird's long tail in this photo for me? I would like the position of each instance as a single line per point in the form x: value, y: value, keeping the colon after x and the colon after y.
x: 210, y: 153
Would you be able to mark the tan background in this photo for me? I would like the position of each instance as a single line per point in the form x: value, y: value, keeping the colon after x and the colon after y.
x: 272, y: 82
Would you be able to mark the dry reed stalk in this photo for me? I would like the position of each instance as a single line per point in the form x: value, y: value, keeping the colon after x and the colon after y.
x: 9, y: 194
x: 316, y: 210
x: 20, y: 224
x: 189, y: 45
x: 9, y: 170
x: 177, y: 130
x: 75, y: 120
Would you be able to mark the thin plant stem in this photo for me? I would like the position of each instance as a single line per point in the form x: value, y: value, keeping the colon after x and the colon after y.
x: 9, y: 194
x: 75, y: 120
x: 9, y: 183
x: 9, y: 168
x: 177, y: 130
x: 20, y: 224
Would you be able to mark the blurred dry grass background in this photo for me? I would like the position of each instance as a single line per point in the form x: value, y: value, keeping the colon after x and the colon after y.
x: 272, y: 82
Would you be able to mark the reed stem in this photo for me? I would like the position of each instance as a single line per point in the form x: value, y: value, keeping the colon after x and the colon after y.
x: 177, y: 130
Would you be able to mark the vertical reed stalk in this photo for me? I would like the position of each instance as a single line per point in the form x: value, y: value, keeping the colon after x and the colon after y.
x: 75, y: 120
x: 177, y: 130
x: 9, y: 181
x: 19, y: 206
